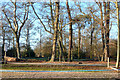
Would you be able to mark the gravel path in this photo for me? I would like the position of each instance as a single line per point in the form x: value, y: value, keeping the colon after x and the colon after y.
x: 67, y: 64
x: 109, y: 74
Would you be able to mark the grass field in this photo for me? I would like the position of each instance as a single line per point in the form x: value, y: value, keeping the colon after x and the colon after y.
x: 49, y: 67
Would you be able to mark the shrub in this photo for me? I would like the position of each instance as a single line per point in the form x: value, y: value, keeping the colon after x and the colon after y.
x: 11, y: 52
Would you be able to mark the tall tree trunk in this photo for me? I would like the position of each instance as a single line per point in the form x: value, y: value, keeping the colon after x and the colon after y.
x: 65, y: 42
x: 51, y: 10
x: 102, y: 30
x: 92, y: 31
x: 81, y: 42
x: 55, y: 32
x: 27, y: 41
x: 3, y: 52
x: 60, y: 43
x: 79, y: 39
x: 17, y: 47
x: 73, y: 48
x: 118, y: 41
x: 105, y: 18
x: 107, y: 33
x: 107, y: 21
x: 64, y: 47
x: 70, y: 33
x: 61, y: 50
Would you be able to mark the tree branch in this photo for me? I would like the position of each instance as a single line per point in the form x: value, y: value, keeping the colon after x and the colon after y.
x: 40, y: 19
x: 15, y: 21
x: 8, y: 21
x: 25, y: 19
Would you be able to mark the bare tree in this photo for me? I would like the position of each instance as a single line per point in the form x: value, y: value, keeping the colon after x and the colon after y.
x: 70, y: 32
x: 54, y: 26
x: 107, y: 21
x: 102, y: 28
x: 55, y: 31
x: 15, y: 27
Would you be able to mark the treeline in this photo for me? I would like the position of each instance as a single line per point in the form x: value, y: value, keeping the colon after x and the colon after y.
x: 75, y: 30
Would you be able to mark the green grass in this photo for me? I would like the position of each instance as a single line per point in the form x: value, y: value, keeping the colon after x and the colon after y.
x: 35, y: 59
x: 36, y: 67
x: 48, y: 67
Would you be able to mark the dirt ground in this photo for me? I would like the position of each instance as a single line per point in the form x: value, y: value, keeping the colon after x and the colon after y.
x: 60, y: 75
x: 78, y: 65
x: 85, y: 62
x: 75, y: 62
x: 112, y: 63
